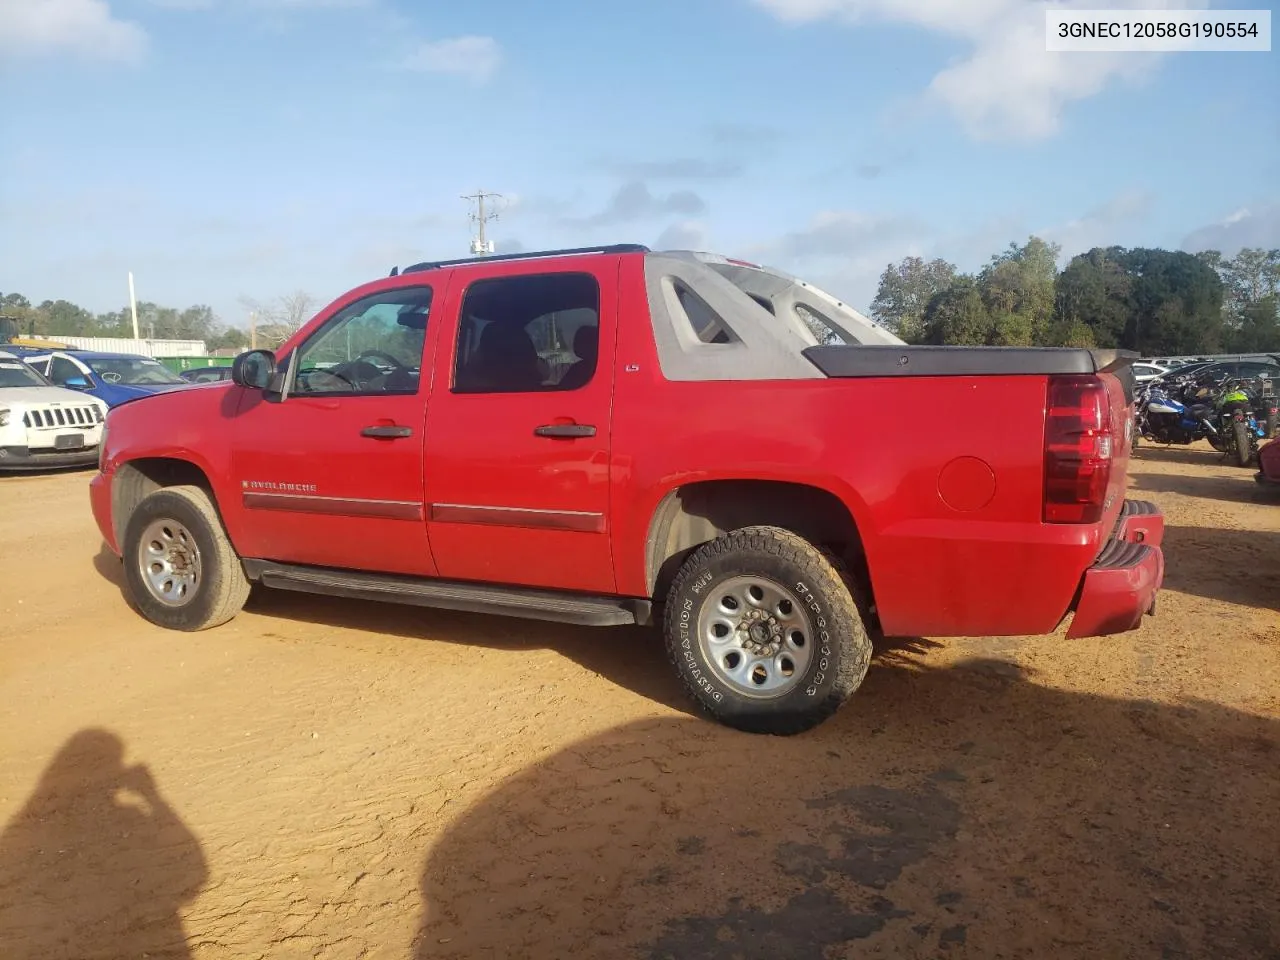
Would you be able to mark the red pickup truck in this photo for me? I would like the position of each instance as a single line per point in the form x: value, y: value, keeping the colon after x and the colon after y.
x: 618, y: 436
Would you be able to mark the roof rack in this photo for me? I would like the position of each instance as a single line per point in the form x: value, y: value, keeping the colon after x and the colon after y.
x: 529, y: 255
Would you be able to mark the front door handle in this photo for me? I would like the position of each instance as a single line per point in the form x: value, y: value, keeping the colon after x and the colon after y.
x: 384, y: 432
x: 566, y: 430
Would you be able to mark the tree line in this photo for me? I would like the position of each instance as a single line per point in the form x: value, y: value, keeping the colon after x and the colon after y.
x: 1153, y: 301
x: 275, y: 320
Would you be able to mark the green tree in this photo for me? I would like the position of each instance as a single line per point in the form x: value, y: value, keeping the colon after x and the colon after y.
x: 904, y: 294
x: 1095, y: 291
x: 1020, y: 282
x: 64, y: 317
x: 1176, y: 303
x: 958, y: 315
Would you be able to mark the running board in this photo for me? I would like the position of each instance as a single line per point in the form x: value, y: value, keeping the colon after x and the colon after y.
x: 523, y: 602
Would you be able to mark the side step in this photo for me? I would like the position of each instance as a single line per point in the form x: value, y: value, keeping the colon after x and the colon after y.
x: 521, y: 602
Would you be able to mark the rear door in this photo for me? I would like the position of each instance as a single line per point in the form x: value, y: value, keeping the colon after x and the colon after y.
x: 517, y: 454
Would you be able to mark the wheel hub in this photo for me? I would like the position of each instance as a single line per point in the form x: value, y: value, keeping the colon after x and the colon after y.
x: 756, y: 635
x: 760, y: 633
x: 169, y: 561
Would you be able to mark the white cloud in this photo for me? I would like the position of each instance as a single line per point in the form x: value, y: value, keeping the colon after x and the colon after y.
x: 1008, y: 86
x: 473, y: 57
x: 80, y: 27
x: 1256, y: 226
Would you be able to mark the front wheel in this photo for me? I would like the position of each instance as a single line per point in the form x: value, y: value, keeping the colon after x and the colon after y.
x: 179, y: 565
x: 764, y: 633
x: 1243, y: 442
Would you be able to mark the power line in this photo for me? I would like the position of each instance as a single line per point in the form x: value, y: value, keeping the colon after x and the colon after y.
x: 480, y: 216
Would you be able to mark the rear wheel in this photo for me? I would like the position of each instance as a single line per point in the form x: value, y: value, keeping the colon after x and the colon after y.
x: 180, y: 568
x: 764, y: 632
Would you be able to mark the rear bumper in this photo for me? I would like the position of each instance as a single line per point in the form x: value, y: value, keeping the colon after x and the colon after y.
x: 1121, y: 586
x: 46, y: 458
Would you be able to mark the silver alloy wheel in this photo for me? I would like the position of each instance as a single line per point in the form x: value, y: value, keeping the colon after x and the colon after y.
x: 756, y: 636
x: 169, y: 562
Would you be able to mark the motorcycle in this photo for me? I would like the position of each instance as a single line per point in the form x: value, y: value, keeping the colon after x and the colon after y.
x: 1164, y: 416
x: 1239, y: 427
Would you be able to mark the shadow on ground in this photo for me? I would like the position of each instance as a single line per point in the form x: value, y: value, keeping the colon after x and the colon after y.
x: 1235, y: 566
x: 944, y: 812
x: 1238, y: 487
x: 96, y: 863
x: 1200, y: 454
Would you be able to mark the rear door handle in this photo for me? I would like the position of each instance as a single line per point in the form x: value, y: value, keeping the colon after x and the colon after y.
x: 566, y: 430
x: 384, y: 432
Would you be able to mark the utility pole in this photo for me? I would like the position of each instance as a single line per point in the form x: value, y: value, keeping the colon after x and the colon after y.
x: 133, y: 307
x: 480, y: 216
x: 253, y: 329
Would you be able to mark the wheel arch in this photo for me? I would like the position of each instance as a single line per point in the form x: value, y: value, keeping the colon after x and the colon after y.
x: 696, y: 513
x: 134, y: 480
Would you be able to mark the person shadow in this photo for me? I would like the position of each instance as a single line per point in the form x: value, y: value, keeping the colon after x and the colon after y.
x: 96, y: 863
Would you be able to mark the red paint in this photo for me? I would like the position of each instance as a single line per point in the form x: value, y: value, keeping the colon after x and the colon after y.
x: 953, y: 523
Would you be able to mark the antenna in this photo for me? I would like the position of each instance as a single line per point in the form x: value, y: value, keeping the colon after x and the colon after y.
x: 480, y: 216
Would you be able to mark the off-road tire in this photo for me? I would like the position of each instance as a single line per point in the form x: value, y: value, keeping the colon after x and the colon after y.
x: 223, y: 586
x: 843, y: 648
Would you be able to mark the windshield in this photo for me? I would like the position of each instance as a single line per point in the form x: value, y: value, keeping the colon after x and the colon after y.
x: 141, y: 371
x: 15, y: 373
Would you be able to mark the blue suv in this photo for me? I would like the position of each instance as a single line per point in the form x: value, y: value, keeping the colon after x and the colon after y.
x: 111, y: 377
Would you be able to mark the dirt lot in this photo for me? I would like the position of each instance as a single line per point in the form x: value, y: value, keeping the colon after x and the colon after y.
x: 325, y: 778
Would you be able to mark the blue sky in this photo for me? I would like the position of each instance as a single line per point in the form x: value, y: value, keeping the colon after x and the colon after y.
x: 223, y: 149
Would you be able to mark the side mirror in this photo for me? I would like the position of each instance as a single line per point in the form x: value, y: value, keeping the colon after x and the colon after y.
x: 253, y: 370
x: 77, y: 383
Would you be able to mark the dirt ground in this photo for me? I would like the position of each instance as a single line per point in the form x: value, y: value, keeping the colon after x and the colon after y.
x: 337, y: 779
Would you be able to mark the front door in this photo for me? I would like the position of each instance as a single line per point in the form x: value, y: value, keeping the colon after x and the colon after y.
x: 332, y: 474
x: 517, y: 456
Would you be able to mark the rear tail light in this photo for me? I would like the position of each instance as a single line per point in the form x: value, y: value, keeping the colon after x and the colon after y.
x: 1077, y: 450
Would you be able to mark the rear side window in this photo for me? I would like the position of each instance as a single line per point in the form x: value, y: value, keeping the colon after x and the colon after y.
x: 528, y: 334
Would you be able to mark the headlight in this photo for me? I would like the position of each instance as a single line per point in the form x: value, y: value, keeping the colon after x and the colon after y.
x: 4, y: 416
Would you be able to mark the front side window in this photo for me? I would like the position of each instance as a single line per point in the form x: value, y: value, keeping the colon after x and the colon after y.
x: 139, y: 371
x: 528, y: 334
x: 62, y: 371
x: 370, y: 347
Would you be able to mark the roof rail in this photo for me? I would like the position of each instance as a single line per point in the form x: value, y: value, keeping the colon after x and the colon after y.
x: 528, y: 255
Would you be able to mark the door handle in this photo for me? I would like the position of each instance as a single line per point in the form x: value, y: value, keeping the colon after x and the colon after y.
x: 384, y: 432
x: 565, y: 430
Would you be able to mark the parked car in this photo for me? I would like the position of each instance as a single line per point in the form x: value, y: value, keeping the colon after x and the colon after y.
x: 205, y: 374
x: 111, y: 377
x: 704, y: 462
x: 42, y: 425
x: 1145, y: 371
